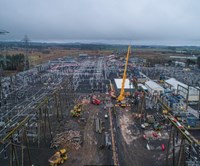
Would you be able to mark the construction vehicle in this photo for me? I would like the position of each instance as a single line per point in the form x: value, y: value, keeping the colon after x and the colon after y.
x: 157, y: 126
x: 127, y: 94
x: 112, y: 94
x: 112, y: 91
x: 121, y: 97
x: 162, y: 78
x: 95, y: 101
x: 165, y: 111
x: 58, y: 158
x: 76, y: 110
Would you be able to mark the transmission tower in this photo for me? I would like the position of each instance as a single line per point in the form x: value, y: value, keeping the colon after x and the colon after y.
x: 26, y: 41
x: 2, y: 32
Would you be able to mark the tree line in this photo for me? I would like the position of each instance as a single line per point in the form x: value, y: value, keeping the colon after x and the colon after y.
x: 12, y: 62
x: 198, y: 62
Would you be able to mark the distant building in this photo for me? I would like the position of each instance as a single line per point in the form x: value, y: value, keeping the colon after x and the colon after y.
x: 69, y: 60
x: 111, y: 56
x: 134, y: 60
x: 184, y: 57
x: 154, y: 88
x: 181, y: 52
x: 181, y: 64
x: 83, y: 56
x: 144, y: 61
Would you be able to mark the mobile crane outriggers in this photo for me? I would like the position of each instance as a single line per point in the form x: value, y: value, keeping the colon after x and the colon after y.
x: 121, y: 97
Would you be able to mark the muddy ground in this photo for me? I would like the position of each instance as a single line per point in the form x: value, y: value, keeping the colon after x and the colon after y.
x: 129, y: 141
x: 90, y: 153
x: 131, y: 145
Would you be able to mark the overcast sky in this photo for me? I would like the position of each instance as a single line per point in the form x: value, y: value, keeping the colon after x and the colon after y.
x: 139, y: 21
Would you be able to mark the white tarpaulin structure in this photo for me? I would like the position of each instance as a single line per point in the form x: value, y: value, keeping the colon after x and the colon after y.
x: 154, y: 88
x: 118, y: 83
x: 172, y: 83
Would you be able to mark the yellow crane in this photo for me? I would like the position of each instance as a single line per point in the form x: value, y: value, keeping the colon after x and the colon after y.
x: 121, y: 96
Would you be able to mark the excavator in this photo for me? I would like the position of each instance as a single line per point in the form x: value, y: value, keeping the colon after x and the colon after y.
x: 121, y: 97
x: 76, y: 111
x: 58, y: 158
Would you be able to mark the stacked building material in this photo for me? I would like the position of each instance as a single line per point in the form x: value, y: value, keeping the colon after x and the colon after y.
x: 69, y: 138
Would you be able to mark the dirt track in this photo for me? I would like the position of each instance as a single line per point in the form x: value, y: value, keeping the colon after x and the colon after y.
x: 89, y: 153
x: 132, y: 148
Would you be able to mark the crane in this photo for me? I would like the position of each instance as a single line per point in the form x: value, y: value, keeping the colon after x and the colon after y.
x: 121, y: 96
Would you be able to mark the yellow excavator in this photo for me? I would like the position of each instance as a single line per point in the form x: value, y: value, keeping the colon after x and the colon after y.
x: 58, y: 158
x: 121, y: 97
x: 76, y: 111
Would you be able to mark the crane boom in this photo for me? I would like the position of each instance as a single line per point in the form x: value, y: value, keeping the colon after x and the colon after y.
x: 121, y: 96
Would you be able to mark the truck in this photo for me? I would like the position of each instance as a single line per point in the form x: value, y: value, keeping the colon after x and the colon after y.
x: 96, y: 101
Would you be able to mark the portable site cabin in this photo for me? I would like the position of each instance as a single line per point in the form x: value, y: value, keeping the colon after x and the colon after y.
x: 154, y: 88
x: 181, y: 88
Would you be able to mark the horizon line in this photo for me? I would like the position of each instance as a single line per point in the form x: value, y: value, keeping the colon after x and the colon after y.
x: 107, y: 42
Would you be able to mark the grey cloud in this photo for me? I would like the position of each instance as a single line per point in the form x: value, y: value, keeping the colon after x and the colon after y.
x: 139, y: 20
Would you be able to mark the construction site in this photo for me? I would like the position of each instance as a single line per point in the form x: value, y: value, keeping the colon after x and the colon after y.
x: 100, y: 110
